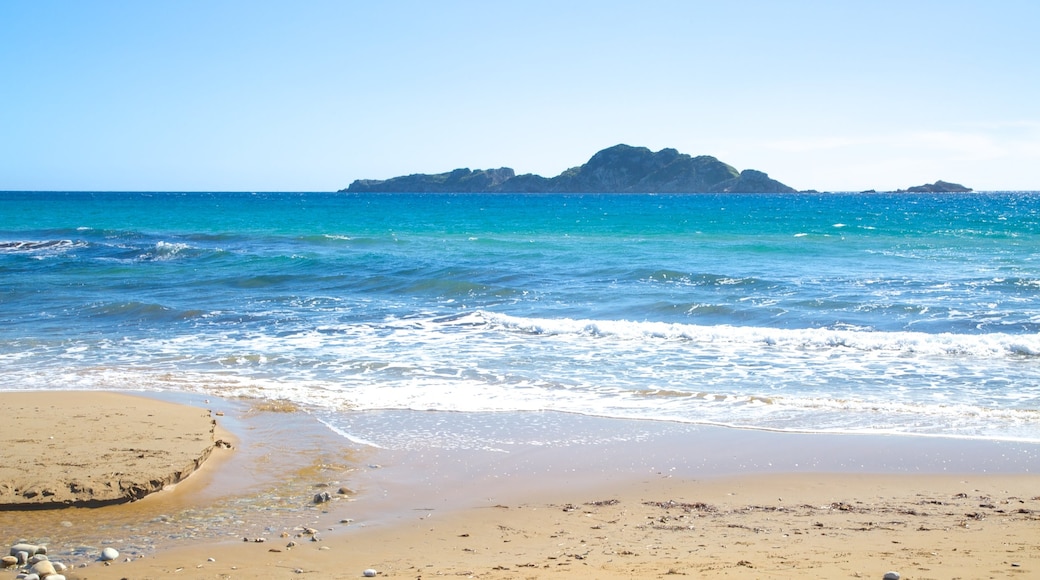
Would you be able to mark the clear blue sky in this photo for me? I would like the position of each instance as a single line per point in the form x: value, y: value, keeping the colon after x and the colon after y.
x: 310, y: 95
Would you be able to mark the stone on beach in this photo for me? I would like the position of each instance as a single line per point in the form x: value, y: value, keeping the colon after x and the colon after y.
x: 43, y: 568
x: 30, y: 549
x: 891, y: 576
x: 109, y: 554
x: 370, y: 573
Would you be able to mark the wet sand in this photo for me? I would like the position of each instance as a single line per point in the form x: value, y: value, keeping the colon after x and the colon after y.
x: 545, y: 513
x: 93, y: 449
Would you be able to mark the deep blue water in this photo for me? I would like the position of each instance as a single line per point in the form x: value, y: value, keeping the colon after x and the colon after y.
x: 877, y: 313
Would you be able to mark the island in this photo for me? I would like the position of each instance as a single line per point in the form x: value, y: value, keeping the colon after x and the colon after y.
x: 617, y: 169
x: 939, y: 187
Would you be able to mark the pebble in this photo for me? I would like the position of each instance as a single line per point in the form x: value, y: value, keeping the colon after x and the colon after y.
x: 29, y: 549
x: 370, y: 573
x: 43, y: 568
x: 28, y: 576
x: 323, y: 497
x: 109, y: 554
x: 9, y: 561
x: 891, y: 576
x: 23, y: 558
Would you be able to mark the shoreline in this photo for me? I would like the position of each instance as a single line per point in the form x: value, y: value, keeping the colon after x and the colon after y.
x: 417, y: 513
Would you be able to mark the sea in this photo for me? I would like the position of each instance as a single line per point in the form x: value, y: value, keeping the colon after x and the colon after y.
x: 853, y: 313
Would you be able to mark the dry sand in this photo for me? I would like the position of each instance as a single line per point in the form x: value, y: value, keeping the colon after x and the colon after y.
x: 823, y: 525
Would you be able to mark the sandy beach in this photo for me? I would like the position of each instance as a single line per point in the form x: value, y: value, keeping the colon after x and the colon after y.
x: 256, y: 510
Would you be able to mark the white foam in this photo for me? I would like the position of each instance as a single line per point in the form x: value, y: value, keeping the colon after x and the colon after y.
x: 920, y: 343
x: 842, y: 380
x: 165, y: 251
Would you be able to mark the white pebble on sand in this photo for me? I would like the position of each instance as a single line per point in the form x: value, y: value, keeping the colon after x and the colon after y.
x: 109, y: 554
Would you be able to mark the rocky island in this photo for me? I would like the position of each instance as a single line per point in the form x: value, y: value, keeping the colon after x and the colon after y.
x: 618, y: 169
x: 939, y: 187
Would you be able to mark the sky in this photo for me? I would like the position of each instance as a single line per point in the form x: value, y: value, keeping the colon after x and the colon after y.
x: 254, y: 95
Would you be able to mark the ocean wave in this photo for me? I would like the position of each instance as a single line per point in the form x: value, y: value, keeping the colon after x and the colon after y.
x: 700, y: 280
x: 141, y: 311
x: 163, y: 251
x: 39, y: 246
x: 916, y: 343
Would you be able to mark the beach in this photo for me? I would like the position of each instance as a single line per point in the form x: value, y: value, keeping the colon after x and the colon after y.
x: 257, y: 509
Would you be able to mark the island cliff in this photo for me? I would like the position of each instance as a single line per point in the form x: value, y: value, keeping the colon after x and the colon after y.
x: 618, y: 169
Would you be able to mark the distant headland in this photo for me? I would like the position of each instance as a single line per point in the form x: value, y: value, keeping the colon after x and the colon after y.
x: 617, y: 169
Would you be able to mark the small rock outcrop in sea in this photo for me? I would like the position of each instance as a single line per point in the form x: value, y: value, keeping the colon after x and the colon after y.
x: 939, y: 187
x: 618, y: 169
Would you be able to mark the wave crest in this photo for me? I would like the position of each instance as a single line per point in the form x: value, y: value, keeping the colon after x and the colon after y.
x: 911, y: 343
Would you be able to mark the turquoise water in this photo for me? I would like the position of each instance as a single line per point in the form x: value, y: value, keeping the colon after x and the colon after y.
x: 867, y: 313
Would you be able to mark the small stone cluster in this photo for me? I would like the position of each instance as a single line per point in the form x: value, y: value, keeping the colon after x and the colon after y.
x: 34, y: 563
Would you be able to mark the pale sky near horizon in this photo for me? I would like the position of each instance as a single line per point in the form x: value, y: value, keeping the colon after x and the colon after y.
x: 250, y: 95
